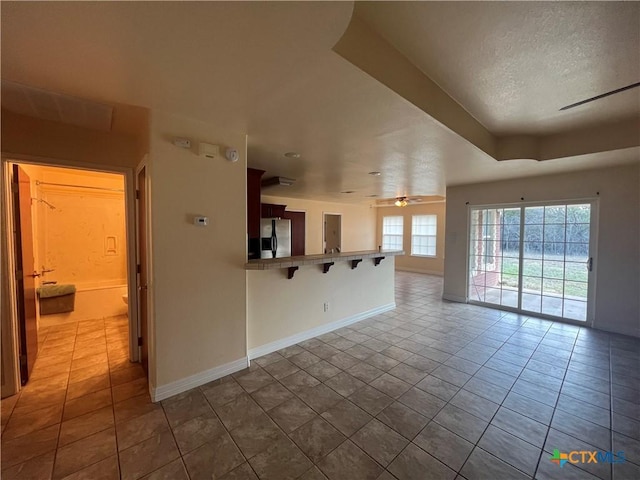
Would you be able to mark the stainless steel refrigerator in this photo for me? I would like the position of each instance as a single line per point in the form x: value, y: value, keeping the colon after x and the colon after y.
x: 275, y: 241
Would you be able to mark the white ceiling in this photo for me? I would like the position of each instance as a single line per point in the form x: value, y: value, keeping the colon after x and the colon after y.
x: 268, y: 69
x: 513, y: 65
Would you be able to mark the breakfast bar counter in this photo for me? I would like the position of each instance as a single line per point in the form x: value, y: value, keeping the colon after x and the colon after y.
x: 325, y: 259
x: 283, y: 311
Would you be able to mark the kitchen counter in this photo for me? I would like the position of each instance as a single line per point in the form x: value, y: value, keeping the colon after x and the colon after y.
x: 283, y: 309
x: 319, y: 259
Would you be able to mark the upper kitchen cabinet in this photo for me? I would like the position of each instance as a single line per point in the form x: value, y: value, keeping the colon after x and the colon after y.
x: 270, y: 210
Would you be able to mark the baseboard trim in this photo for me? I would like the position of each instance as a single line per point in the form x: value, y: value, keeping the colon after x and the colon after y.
x: 631, y: 332
x: 314, y: 332
x: 187, y: 383
x: 454, y: 298
x: 420, y: 270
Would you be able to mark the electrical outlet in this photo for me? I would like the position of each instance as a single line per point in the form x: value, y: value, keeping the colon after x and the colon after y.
x: 326, y: 306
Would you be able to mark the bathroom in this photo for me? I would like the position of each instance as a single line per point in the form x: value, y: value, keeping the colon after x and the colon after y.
x: 79, y: 246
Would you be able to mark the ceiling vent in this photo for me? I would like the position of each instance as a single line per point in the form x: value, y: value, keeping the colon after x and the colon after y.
x: 273, y: 181
x: 34, y: 102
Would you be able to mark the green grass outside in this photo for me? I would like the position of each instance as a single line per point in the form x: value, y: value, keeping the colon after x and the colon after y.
x: 547, y: 275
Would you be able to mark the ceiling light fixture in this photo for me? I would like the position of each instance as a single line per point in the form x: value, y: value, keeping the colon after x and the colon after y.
x: 375, y: 174
x: 292, y: 155
x: 401, y: 202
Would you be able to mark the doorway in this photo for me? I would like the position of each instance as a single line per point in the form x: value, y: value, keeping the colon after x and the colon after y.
x: 76, y: 316
x: 534, y: 258
x: 332, y: 232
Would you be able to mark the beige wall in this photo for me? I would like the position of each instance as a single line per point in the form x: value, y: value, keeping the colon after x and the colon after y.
x: 617, y: 261
x: 198, y: 279
x: 358, y: 223
x: 432, y: 265
x: 279, y: 308
x: 42, y: 138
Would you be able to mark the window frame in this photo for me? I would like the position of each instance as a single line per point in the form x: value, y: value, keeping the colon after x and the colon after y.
x: 395, y: 235
x: 434, y: 236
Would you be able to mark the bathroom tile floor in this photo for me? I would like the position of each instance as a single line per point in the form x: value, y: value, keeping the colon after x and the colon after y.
x: 431, y: 389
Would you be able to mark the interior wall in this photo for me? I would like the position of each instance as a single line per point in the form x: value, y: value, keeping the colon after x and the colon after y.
x: 358, y: 223
x: 198, y: 280
x: 279, y: 308
x: 617, y: 260
x: 34, y: 137
x: 407, y: 262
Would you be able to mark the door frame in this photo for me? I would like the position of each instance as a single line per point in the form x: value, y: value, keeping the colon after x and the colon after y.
x: 324, y: 229
x: 150, y: 338
x: 10, y: 346
x: 593, y: 248
x: 10, y: 319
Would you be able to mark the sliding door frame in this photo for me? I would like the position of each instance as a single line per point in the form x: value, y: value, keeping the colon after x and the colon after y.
x: 593, y: 248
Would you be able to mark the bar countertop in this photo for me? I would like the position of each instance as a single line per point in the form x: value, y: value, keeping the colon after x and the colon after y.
x: 318, y: 259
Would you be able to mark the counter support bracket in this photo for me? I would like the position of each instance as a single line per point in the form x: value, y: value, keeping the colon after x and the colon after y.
x: 377, y: 260
x: 326, y: 266
x: 291, y: 271
x: 354, y: 263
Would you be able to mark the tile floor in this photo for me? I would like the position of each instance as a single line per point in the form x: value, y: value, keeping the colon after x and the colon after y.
x: 430, y: 390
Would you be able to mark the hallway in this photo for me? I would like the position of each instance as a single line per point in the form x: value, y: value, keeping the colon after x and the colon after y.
x: 81, y: 373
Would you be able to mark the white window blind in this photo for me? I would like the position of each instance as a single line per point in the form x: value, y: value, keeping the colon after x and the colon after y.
x: 424, y: 230
x: 392, y: 233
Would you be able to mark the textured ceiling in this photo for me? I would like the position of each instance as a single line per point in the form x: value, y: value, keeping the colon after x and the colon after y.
x: 268, y: 69
x: 513, y: 65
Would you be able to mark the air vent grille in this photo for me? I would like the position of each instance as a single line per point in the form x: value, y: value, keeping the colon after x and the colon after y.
x: 35, y: 102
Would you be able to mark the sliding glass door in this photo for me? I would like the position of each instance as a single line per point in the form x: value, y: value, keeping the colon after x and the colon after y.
x: 535, y: 258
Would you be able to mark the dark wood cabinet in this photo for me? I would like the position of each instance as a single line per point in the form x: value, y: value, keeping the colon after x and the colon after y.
x: 270, y: 210
x: 254, y: 177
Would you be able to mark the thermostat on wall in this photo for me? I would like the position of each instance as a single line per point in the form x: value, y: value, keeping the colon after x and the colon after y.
x: 201, y: 221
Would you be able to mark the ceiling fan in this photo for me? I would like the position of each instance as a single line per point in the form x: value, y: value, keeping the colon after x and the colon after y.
x: 402, y: 201
x: 602, y: 95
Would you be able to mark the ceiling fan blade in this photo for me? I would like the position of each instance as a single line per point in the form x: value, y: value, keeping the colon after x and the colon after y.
x: 597, y: 97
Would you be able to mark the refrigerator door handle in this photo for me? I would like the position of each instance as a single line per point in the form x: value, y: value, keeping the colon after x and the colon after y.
x: 274, y: 239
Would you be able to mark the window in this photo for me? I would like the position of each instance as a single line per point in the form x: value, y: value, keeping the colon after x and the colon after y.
x: 423, y: 235
x: 533, y: 258
x: 392, y: 233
